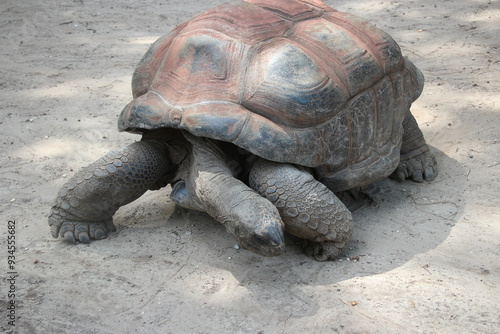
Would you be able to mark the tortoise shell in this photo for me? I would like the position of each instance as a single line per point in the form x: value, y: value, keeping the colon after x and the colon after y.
x: 291, y: 81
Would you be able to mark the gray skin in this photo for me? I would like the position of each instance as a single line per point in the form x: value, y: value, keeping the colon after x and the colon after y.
x: 278, y: 196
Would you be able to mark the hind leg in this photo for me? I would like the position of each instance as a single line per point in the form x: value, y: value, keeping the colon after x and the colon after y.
x: 417, y: 162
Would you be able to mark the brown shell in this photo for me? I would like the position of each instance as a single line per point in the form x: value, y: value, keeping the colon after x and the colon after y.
x: 289, y: 80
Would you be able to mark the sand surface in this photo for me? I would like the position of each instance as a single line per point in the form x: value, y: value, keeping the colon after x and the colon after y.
x: 428, y: 254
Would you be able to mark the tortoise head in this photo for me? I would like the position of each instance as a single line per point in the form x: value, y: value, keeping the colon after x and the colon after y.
x: 260, y: 234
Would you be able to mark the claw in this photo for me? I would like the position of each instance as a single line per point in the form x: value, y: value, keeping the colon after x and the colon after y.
x: 70, y: 237
x: 429, y: 173
x: 399, y: 174
x: 81, y: 233
x: 84, y: 232
x: 418, y: 168
x: 84, y: 237
x: 417, y: 176
x: 99, y: 233
x: 54, y: 230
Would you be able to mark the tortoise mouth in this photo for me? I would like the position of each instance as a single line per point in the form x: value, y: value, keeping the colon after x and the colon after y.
x: 270, y: 243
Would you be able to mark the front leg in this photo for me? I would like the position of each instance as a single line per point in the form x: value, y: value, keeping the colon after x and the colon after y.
x: 85, y: 205
x: 308, y: 208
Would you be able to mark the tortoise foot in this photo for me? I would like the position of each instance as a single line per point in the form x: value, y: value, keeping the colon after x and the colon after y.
x: 73, y: 231
x: 416, y: 161
x: 417, y: 167
x: 323, y: 251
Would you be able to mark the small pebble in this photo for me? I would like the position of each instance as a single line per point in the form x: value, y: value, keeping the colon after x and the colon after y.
x: 236, y: 246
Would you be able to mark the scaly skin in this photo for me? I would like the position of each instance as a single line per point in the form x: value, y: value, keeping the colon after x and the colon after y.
x: 308, y: 208
x: 85, y: 205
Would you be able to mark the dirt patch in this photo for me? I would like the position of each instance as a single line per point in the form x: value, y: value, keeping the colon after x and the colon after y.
x: 424, y: 261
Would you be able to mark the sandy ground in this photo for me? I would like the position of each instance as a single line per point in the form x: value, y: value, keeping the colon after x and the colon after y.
x: 428, y: 254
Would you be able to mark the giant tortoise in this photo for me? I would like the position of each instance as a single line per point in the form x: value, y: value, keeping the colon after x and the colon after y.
x: 258, y: 112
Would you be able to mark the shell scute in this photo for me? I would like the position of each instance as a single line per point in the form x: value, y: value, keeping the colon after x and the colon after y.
x: 199, y: 68
x: 378, y: 43
x: 241, y: 21
x: 300, y: 94
x: 290, y: 10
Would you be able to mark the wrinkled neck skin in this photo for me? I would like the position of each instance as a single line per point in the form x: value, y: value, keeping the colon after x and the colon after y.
x: 178, y: 149
x: 238, y: 160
